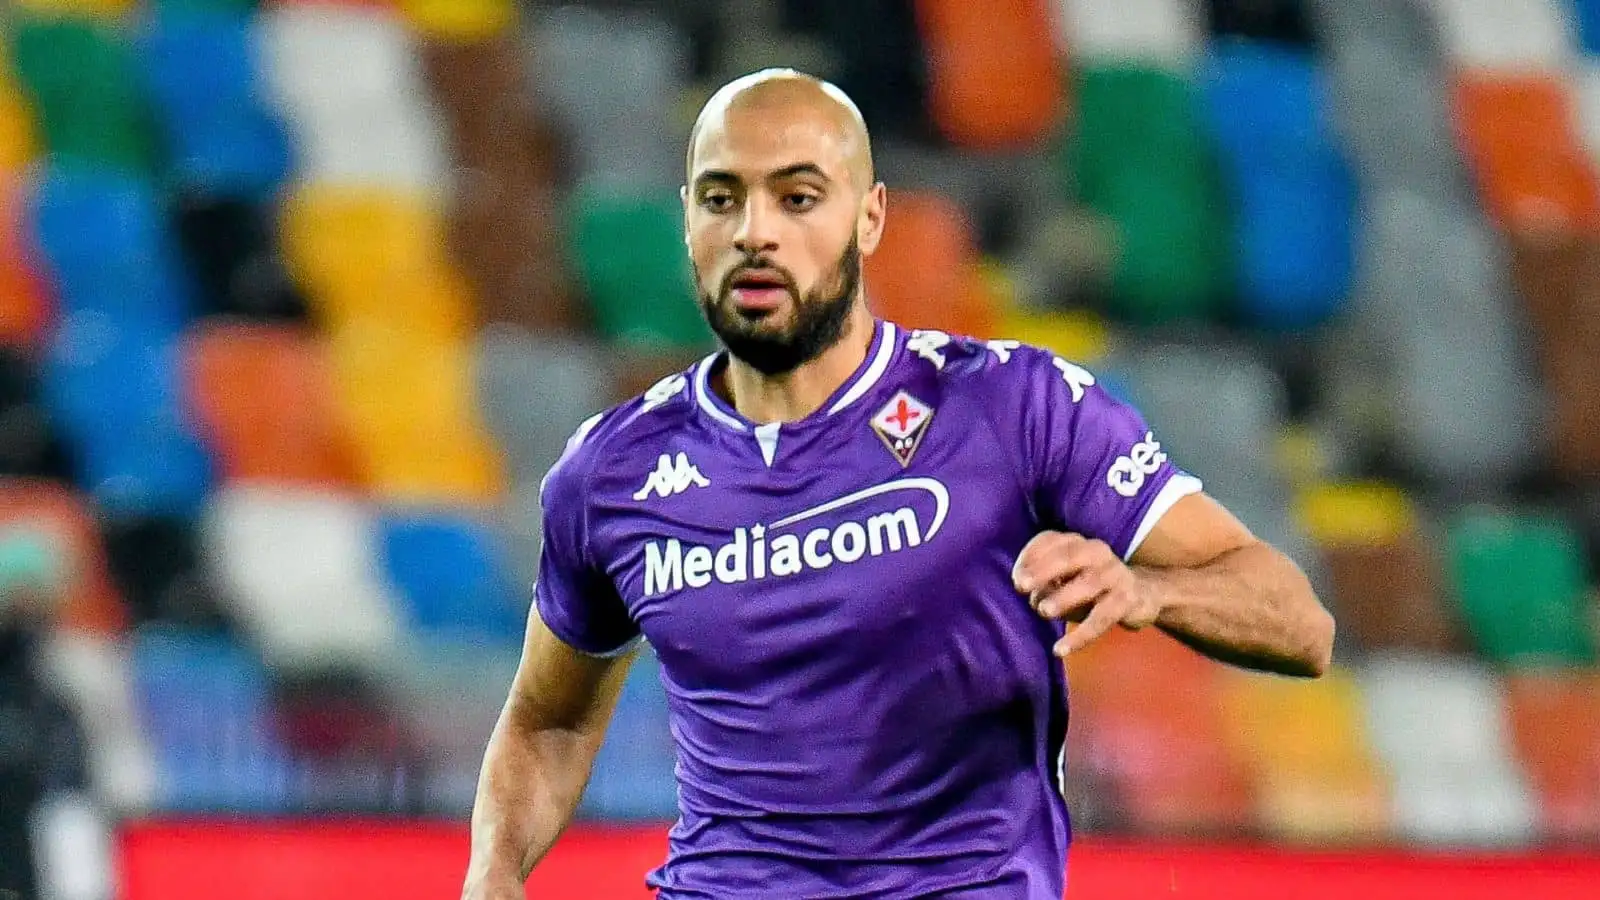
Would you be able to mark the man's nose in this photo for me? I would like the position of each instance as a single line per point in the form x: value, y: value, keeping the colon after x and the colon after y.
x: 757, y: 229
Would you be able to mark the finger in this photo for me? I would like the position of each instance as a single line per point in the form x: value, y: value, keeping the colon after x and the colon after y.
x: 1041, y: 560
x: 1078, y: 592
x: 1099, y: 621
x: 1052, y: 558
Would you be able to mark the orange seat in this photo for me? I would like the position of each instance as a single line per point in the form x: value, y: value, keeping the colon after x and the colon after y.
x: 925, y: 273
x: 995, y: 76
x: 1519, y: 133
x: 263, y: 398
x: 1150, y: 716
x: 25, y: 308
x: 411, y: 405
x: 1555, y: 728
x: 89, y: 601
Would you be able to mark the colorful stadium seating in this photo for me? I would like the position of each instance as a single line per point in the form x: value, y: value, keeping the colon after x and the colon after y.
x: 1165, y: 754
x: 301, y: 571
x: 83, y: 85
x: 644, y: 297
x: 201, y: 70
x: 1554, y: 717
x: 925, y: 271
x: 1385, y: 580
x: 1139, y: 157
x: 262, y: 398
x: 995, y: 80
x: 449, y: 570
x: 1267, y: 109
x: 1523, y: 589
x: 1315, y: 773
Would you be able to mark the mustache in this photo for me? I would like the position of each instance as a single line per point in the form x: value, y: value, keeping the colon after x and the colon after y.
x: 754, y: 264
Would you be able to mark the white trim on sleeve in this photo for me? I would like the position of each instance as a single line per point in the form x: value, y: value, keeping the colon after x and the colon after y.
x: 1177, y: 487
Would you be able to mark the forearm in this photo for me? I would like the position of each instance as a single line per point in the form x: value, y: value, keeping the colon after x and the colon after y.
x: 1251, y: 607
x: 529, y: 788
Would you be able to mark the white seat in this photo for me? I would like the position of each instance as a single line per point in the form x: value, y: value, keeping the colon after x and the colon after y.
x: 614, y: 81
x: 1586, y: 103
x: 350, y: 84
x: 535, y: 390
x: 302, y: 571
x: 1215, y: 409
x: 1167, y: 33
x: 1506, y: 34
x: 94, y: 673
x: 1435, y: 298
x: 452, y: 695
x: 1439, y: 727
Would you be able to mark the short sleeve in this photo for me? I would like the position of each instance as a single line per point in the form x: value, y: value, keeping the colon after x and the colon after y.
x: 576, y: 598
x: 1097, y: 468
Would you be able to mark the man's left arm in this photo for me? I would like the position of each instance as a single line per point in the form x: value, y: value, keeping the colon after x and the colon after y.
x: 1200, y: 575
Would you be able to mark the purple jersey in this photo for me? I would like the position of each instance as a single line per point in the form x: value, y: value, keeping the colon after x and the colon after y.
x: 862, y: 704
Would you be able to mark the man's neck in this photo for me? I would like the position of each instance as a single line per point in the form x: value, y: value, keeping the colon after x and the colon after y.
x: 794, y: 395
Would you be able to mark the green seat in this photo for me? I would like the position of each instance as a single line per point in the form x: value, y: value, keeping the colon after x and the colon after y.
x: 86, y: 92
x: 1522, y: 586
x: 629, y: 253
x: 1139, y: 156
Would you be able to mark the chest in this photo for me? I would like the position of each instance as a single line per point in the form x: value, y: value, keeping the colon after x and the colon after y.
x: 851, y: 556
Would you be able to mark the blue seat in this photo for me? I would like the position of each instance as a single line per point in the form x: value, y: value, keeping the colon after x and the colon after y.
x: 1587, y: 16
x: 204, y: 704
x: 634, y: 772
x: 451, y: 571
x: 201, y: 70
x: 115, y: 392
x: 106, y: 244
x: 1292, y: 192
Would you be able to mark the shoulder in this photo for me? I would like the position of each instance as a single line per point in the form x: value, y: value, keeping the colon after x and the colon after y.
x: 638, y: 422
x: 996, y: 365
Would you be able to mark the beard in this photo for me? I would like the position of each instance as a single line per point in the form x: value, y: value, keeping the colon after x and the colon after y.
x: 817, y: 323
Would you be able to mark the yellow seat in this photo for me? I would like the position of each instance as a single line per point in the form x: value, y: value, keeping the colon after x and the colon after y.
x: 1305, y: 745
x: 17, y: 142
x: 413, y: 416
x: 372, y: 255
x: 1360, y: 513
x: 1078, y: 335
x: 460, y: 20
x: 98, y: 9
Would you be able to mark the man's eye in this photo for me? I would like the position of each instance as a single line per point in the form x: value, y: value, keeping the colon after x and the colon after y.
x: 717, y: 202
x: 800, y: 202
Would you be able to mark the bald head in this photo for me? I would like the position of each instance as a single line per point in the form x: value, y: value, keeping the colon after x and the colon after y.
x: 777, y: 99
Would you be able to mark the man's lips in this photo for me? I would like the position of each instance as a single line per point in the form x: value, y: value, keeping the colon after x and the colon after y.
x: 758, y: 289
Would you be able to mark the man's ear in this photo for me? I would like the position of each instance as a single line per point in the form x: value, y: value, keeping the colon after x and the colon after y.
x: 870, y: 221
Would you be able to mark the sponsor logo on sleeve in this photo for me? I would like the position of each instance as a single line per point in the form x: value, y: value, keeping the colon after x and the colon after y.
x: 1128, y: 473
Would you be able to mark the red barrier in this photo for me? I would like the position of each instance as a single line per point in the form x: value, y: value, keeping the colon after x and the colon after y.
x: 361, y: 861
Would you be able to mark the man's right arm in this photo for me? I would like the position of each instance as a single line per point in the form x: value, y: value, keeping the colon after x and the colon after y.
x: 539, y: 758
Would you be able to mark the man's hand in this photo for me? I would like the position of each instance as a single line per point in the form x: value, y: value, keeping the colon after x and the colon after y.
x: 1068, y: 576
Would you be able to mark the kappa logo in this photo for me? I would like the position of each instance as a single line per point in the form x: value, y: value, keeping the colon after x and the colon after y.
x: 1128, y: 473
x: 900, y: 424
x: 673, y: 475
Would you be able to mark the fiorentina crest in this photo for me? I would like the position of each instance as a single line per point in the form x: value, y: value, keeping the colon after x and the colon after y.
x: 901, y: 423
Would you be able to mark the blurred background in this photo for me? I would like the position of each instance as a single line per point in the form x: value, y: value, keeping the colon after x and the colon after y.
x: 298, y: 301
